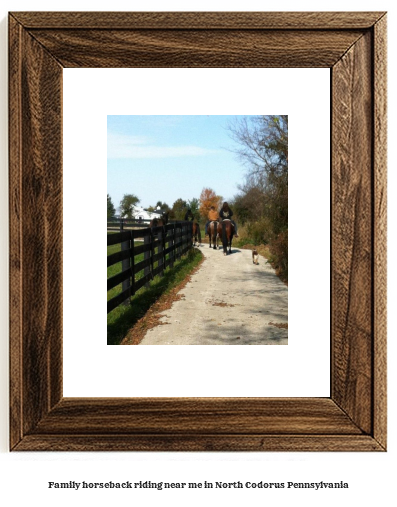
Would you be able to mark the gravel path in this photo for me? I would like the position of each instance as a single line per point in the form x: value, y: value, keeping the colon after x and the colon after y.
x: 229, y: 301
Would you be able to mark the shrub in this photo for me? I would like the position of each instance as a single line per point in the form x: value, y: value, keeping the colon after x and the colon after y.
x: 279, y: 251
x: 259, y: 231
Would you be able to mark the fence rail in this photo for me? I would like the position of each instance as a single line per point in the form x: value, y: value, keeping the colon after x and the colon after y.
x: 121, y: 224
x: 161, y: 247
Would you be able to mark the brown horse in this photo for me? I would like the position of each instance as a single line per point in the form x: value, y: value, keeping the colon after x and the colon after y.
x: 213, y: 233
x: 196, y: 234
x: 158, y: 222
x: 227, y: 229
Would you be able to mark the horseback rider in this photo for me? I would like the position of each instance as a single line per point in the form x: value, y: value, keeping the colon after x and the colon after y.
x: 213, y: 216
x: 227, y: 213
x: 189, y: 214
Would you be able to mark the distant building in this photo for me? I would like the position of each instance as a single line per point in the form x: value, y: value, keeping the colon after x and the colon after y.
x: 142, y: 214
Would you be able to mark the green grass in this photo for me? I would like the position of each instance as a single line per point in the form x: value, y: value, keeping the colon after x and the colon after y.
x: 116, y: 268
x: 123, y: 318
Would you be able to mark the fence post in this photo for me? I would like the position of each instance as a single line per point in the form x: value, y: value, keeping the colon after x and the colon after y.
x: 176, y: 249
x: 121, y: 225
x: 180, y: 240
x: 161, y: 238
x: 183, y: 238
x: 132, y: 257
x: 125, y: 264
x: 172, y: 243
x: 148, y: 240
x: 183, y: 234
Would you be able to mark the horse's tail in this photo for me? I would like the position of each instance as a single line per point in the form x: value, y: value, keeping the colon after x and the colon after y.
x: 224, y: 236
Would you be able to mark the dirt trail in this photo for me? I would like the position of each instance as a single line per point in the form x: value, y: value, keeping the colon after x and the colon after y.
x: 229, y: 301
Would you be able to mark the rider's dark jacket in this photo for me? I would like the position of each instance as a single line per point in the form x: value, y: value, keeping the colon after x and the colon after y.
x: 226, y: 214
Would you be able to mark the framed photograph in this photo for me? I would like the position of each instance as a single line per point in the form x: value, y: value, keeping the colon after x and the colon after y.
x: 353, y: 46
x: 127, y: 95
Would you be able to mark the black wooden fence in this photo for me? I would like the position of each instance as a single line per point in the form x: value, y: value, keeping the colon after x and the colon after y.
x: 121, y: 224
x: 161, y: 247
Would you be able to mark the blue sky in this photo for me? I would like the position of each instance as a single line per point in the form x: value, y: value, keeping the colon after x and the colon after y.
x: 163, y: 158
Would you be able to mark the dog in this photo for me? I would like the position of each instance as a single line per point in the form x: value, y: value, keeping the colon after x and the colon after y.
x: 255, y: 257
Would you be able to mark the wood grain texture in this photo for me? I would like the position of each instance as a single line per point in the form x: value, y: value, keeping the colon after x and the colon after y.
x: 352, y: 303
x: 354, y: 46
x: 172, y: 416
x: 15, y: 249
x: 199, y: 443
x: 36, y: 187
x: 196, y: 48
x: 380, y: 230
x: 202, y: 20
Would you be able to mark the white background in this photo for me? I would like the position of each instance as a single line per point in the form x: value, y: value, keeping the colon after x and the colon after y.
x: 24, y: 477
x: 91, y: 94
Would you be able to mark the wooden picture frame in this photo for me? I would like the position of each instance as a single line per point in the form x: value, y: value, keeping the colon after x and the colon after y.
x: 353, y: 46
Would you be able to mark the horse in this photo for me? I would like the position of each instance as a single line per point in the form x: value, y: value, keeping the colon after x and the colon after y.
x: 227, y: 229
x: 159, y: 222
x: 196, y: 233
x: 213, y: 233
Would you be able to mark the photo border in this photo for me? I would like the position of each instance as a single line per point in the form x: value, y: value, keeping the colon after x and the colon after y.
x: 353, y: 46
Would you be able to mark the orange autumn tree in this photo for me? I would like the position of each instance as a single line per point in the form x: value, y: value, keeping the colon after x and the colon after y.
x: 208, y: 198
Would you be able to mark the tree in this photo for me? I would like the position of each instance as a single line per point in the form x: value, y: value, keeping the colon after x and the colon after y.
x: 162, y: 205
x: 194, y: 205
x: 263, y: 199
x: 208, y: 198
x: 111, y: 209
x: 179, y: 209
x: 127, y: 205
x: 263, y: 147
x: 263, y: 142
x: 159, y: 206
x: 250, y: 203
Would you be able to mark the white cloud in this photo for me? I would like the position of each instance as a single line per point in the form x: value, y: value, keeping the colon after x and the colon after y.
x: 123, y: 146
